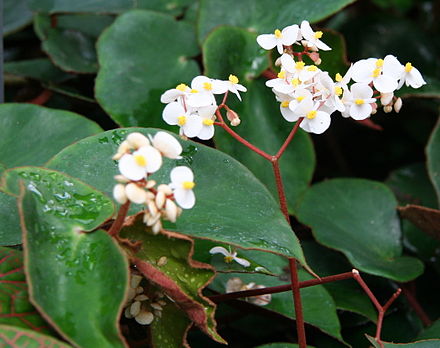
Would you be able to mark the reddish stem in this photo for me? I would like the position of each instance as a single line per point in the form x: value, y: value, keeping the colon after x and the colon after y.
x: 280, y: 188
x: 415, y: 305
x: 381, y: 315
x: 289, y: 138
x: 298, y: 305
x: 42, y: 98
x: 269, y: 74
x: 117, y: 225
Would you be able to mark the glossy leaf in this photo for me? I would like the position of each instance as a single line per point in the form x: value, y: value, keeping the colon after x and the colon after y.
x: 263, y: 125
x: 10, y: 231
x: 432, y: 331
x: 180, y: 277
x: 16, y: 15
x: 433, y: 155
x: 419, y: 344
x: 223, y: 185
x: 16, y: 337
x: 359, y: 218
x: 134, y: 73
x: 318, y: 307
x: 36, y: 133
x: 241, y: 54
x: 76, y: 279
x: 39, y: 69
x: 71, y: 44
x: 15, y: 307
x: 263, y: 16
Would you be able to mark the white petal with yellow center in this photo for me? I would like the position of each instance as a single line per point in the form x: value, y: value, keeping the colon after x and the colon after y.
x: 172, y: 112
x: 180, y: 178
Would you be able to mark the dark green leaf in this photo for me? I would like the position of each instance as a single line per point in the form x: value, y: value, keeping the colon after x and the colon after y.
x: 135, y: 72
x: 10, y: 231
x: 419, y: 344
x: 432, y: 331
x: 430, y: 90
x: 16, y: 337
x: 32, y: 134
x: 39, y: 69
x: 359, y: 218
x: 16, y: 15
x: 433, y: 154
x: 281, y: 345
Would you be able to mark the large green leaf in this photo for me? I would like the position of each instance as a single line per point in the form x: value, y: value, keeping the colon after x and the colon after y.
x: 433, y: 154
x: 263, y: 16
x: 263, y: 125
x: 71, y: 44
x: 135, y: 72
x: 16, y: 14
x: 32, y: 134
x: 40, y: 69
x: 419, y: 344
x: 16, y: 337
x: 232, y: 205
x: 16, y: 309
x: 76, y: 279
x: 180, y: 277
x: 358, y: 217
x: 10, y: 232
x: 432, y: 331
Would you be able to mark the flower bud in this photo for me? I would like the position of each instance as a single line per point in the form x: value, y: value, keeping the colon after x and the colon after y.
x: 278, y: 61
x: 135, y: 308
x: 152, y: 208
x: 386, y: 98
x: 156, y: 306
x: 160, y: 199
x: 233, y: 117
x: 156, y: 227
x: 144, y: 318
x: 127, y: 313
x: 387, y: 109
x: 398, y: 105
x: 135, y: 193
x: 171, y: 210
x: 121, y: 179
x: 165, y: 189
x: 141, y: 297
x: 235, y: 122
x: 136, y: 140
x: 119, y: 194
x: 315, y: 57
x: 150, y: 184
x: 135, y: 281
x: 122, y: 150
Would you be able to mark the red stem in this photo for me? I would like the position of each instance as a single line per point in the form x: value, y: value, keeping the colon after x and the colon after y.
x: 280, y: 188
x: 289, y: 138
x: 42, y: 98
x: 415, y: 305
x: 298, y: 305
x: 269, y: 74
x: 117, y: 225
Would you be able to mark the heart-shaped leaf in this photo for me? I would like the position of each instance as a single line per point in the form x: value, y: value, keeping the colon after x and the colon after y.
x: 16, y: 15
x: 16, y: 309
x: 419, y: 344
x: 432, y: 331
x: 17, y: 337
x: 134, y: 73
x: 359, y: 218
x: 33, y: 134
x: 76, y: 279
x: 232, y: 206
x: 433, y: 154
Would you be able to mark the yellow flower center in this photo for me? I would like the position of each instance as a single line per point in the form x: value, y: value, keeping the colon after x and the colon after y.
x: 359, y: 101
x: 379, y: 63
x: 376, y: 72
x: 208, y: 122
x: 233, y: 79
x: 207, y: 86
x: 229, y: 259
x: 408, y: 67
x: 188, y: 185
x: 181, y: 120
x: 300, y: 98
x: 285, y: 104
x: 281, y: 75
x: 194, y: 91
x: 140, y: 160
x: 312, y: 68
x: 277, y: 33
x: 182, y: 87
x: 338, y: 90
x: 338, y: 77
x: 318, y: 35
x: 299, y: 65
x: 311, y: 114
x: 295, y: 82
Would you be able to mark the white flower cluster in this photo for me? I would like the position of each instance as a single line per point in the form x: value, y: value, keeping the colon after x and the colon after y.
x: 236, y: 284
x: 138, y: 158
x: 193, y: 108
x: 308, y: 93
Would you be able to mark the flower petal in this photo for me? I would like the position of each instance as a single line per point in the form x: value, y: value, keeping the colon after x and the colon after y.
x: 184, y: 198
x: 219, y: 250
x: 267, y: 41
x: 243, y: 262
x: 385, y: 84
x: 171, y: 112
x: 207, y: 132
x: 181, y: 174
x: 360, y: 112
x: 153, y: 157
x: 193, y: 126
x: 317, y: 125
x: 128, y: 168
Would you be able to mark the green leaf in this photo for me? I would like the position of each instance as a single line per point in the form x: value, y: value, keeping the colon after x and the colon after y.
x: 16, y: 309
x: 241, y: 55
x: 318, y: 307
x: 16, y: 337
x: 71, y: 44
x: 181, y: 278
x: 16, y: 15
x: 358, y: 217
x: 281, y: 345
x: 263, y: 16
x: 10, y: 231
x: 432, y: 331
x: 135, y: 72
x: 419, y: 344
x: 433, y: 155
x: 76, y: 279
x: 39, y: 69
x: 33, y: 134
x: 334, y: 61
x: 263, y: 125
x: 223, y: 185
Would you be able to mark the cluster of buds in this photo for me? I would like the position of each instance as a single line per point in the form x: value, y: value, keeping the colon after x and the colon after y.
x: 140, y: 306
x: 138, y: 157
x: 193, y: 108
x: 308, y: 93
x: 236, y: 284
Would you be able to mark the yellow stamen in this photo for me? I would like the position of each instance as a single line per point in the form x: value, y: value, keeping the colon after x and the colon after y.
x: 300, y: 98
x: 182, y: 87
x: 295, y: 82
x: 188, y: 185
x: 140, y: 160
x: 338, y: 90
x: 379, y: 63
x: 318, y: 35
x: 338, y: 77
x: 194, y: 91
x: 277, y: 33
x: 208, y: 122
x: 281, y: 75
x: 181, y: 120
x: 408, y: 67
x: 228, y: 259
x: 359, y: 101
x: 207, y: 86
x: 299, y: 65
x: 376, y: 72
x: 285, y: 104
x: 312, y: 68
x: 233, y: 79
x: 311, y: 114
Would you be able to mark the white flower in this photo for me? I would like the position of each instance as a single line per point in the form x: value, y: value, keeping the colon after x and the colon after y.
x: 175, y: 114
x: 167, y: 145
x: 285, y: 37
x: 358, y: 101
x: 229, y: 256
x: 182, y: 183
x: 298, y: 69
x: 313, y: 38
x: 207, y: 115
x: 201, y: 93
x: 135, y: 166
x: 371, y: 70
x: 233, y: 86
x: 412, y: 77
x: 173, y: 94
x: 315, y: 121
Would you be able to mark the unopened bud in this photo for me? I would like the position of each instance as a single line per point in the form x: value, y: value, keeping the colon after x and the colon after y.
x: 156, y: 227
x: 141, y: 297
x: 131, y: 293
x: 386, y: 98
x: 160, y: 199
x: 121, y: 179
x: 152, y: 208
x: 165, y: 189
x: 119, y: 194
x: 150, y: 184
x: 122, y: 150
x: 127, y: 313
x: 135, y: 281
x: 278, y: 61
x: 387, y: 109
x: 135, y: 308
x: 315, y: 57
x: 171, y: 210
x: 398, y: 104
x: 137, y: 140
x: 144, y: 318
x: 135, y: 193
x: 235, y: 122
x: 232, y: 117
x: 139, y: 290
x: 156, y: 306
